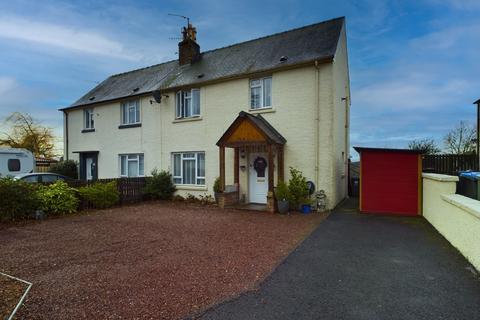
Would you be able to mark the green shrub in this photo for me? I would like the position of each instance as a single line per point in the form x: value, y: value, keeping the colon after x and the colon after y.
x: 298, y: 188
x: 100, y: 195
x: 18, y: 199
x: 282, y: 192
x: 159, y: 185
x: 216, y: 185
x: 67, y: 168
x: 57, y: 198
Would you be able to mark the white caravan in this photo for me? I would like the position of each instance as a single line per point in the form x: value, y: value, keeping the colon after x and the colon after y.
x: 15, y: 161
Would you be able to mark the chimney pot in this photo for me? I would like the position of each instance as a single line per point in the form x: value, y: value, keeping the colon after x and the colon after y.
x: 188, y: 48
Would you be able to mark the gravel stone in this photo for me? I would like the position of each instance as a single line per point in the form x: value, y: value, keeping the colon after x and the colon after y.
x: 154, y: 260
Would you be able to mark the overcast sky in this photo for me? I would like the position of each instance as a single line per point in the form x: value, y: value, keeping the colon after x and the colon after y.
x: 414, y: 65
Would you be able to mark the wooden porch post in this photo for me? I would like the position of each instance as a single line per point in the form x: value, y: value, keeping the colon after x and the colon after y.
x: 236, y: 167
x: 270, y: 168
x: 281, y: 165
x: 222, y: 168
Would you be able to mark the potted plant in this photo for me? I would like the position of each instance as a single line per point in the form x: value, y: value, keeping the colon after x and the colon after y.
x: 216, y: 188
x: 298, y: 189
x: 282, y: 194
x: 306, y: 206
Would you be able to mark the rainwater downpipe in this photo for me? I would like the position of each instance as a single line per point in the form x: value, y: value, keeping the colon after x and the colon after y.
x: 317, y: 127
x: 65, y: 142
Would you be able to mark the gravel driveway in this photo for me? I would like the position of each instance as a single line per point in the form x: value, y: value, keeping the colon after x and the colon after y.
x: 365, y: 267
x: 149, y: 261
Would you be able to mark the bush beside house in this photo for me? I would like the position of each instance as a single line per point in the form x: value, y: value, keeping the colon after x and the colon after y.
x: 100, y: 195
x: 57, y: 198
x: 19, y: 199
x: 159, y: 186
x: 67, y: 168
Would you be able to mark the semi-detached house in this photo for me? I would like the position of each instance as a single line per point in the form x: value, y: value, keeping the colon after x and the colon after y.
x: 244, y: 113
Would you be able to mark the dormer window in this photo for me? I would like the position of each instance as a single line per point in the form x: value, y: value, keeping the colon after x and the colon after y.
x: 187, y: 104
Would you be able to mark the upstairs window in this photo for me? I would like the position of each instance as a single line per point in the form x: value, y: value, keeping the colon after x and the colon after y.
x: 131, y: 112
x: 187, y: 104
x: 261, y: 93
x: 88, y: 121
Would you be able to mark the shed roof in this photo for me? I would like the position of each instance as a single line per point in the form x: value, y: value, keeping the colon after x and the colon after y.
x: 300, y: 46
x: 362, y: 149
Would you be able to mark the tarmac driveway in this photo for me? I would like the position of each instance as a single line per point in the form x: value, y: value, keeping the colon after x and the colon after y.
x: 365, y: 267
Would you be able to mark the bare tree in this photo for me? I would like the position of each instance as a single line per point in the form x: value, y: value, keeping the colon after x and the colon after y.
x: 461, y: 139
x: 428, y: 146
x: 26, y: 132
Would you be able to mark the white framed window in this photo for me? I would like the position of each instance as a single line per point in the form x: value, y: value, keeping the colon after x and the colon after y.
x: 261, y: 93
x: 189, y: 168
x: 88, y: 121
x: 131, y: 112
x: 132, y: 165
x: 187, y: 104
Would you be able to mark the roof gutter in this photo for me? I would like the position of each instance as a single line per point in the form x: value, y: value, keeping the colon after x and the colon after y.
x: 212, y: 81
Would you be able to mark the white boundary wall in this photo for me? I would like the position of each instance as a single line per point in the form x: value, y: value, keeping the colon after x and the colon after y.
x: 456, y: 217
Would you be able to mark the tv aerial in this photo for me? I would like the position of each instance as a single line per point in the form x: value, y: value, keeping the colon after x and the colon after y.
x: 180, y: 16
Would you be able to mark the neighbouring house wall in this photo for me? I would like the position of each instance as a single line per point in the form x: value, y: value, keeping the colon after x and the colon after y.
x: 112, y: 141
x: 294, y: 115
x: 456, y: 217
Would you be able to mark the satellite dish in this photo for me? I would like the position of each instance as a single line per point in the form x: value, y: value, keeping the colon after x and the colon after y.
x: 157, y: 95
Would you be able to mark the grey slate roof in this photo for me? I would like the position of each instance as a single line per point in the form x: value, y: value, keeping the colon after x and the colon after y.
x: 306, y: 44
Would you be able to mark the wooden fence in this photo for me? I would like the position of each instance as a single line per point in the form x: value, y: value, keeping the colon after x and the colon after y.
x: 43, y: 165
x: 449, y: 164
x: 130, y: 189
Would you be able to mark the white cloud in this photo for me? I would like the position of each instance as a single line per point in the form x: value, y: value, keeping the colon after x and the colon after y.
x: 6, y: 84
x: 90, y: 42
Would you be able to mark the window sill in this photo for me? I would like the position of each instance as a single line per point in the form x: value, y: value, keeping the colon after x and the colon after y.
x: 191, y: 187
x: 126, y: 126
x: 262, y: 110
x: 88, y: 130
x: 187, y: 119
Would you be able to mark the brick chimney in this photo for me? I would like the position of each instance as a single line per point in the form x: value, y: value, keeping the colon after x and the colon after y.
x: 188, y: 48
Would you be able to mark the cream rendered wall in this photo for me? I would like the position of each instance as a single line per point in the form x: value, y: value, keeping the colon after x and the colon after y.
x: 341, y: 135
x: 296, y: 95
x: 112, y: 141
x: 456, y: 217
x: 293, y: 106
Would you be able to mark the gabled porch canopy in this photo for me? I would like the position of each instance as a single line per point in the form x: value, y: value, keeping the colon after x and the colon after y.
x: 252, y: 130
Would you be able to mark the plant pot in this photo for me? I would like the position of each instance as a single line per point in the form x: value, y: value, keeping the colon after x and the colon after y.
x: 282, y: 206
x: 306, y: 208
x: 217, y: 195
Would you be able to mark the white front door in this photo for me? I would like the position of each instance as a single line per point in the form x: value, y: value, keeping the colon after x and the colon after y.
x: 88, y: 168
x: 258, y: 177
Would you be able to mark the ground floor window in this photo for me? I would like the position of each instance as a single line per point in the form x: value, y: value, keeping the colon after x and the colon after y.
x: 131, y: 165
x: 189, y: 168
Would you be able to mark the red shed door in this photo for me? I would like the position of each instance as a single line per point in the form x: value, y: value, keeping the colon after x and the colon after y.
x: 390, y: 183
